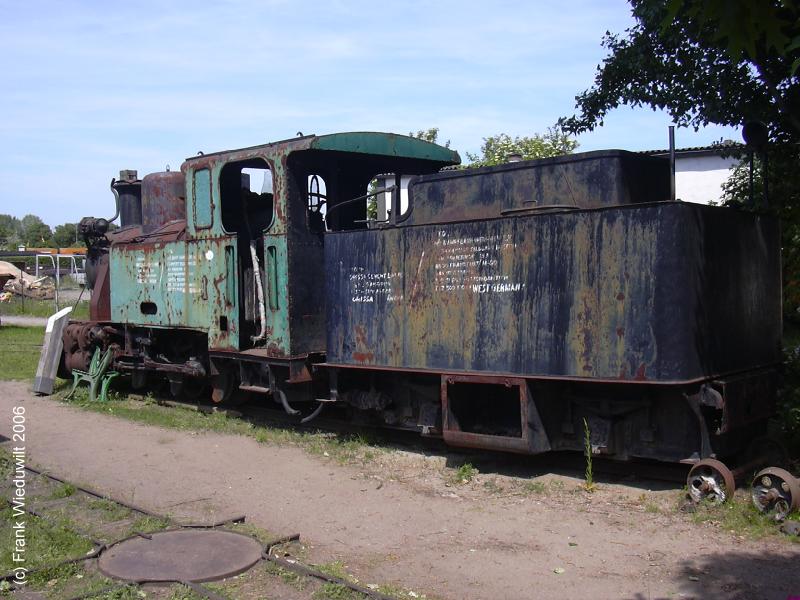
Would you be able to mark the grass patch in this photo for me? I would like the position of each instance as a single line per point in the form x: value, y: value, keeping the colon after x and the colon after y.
x: 534, y: 487
x: 740, y: 517
x: 43, y: 308
x: 290, y: 578
x: 111, y: 510
x: 464, y: 474
x: 19, y: 351
x: 46, y: 543
x: 335, y: 591
x: 181, y: 592
x: 342, y: 448
x: 65, y: 490
x: 148, y: 524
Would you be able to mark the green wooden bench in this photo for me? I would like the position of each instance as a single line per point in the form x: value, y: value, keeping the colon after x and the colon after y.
x: 98, y: 376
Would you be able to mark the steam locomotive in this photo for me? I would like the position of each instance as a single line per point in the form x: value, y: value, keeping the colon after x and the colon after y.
x: 510, y: 307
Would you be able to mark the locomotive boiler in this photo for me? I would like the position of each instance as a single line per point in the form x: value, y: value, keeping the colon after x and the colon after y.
x: 504, y: 307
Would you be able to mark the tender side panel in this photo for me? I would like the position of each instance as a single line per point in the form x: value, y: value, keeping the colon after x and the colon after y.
x: 622, y: 294
x: 178, y: 284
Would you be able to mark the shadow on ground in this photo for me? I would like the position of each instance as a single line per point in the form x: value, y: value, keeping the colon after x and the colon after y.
x: 738, y: 576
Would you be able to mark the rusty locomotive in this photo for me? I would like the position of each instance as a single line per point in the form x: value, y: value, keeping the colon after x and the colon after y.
x: 504, y: 307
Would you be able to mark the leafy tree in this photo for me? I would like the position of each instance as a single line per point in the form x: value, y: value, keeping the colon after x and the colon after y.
x: 703, y: 61
x: 725, y: 62
x: 784, y: 200
x: 35, y: 232
x: 429, y: 135
x: 497, y: 149
x: 9, y: 231
x: 64, y: 236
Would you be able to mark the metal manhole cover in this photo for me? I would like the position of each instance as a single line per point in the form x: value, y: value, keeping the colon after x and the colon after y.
x: 194, y: 555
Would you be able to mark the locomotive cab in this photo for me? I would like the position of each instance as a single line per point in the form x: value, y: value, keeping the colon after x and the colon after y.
x: 233, y: 284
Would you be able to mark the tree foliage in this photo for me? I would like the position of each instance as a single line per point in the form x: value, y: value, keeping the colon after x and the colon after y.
x: 784, y: 200
x: 703, y: 61
x: 32, y: 232
x: 497, y: 149
x: 429, y: 135
x: 65, y: 236
x: 35, y: 232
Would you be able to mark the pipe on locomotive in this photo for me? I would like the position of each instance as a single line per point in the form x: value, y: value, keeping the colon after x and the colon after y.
x: 116, y: 200
x: 262, y: 301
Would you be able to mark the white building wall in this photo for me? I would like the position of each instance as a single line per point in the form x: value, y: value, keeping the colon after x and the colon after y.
x: 700, y: 178
x: 386, y: 182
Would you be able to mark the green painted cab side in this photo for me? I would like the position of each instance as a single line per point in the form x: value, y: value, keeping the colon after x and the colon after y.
x: 178, y: 284
x: 194, y: 282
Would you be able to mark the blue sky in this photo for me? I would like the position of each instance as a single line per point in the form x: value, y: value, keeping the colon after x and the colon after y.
x: 89, y: 88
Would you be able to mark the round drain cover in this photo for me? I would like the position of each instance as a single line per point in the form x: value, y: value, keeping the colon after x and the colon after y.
x: 181, y: 555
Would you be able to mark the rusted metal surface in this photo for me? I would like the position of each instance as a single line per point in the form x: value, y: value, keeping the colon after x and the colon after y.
x: 576, y: 181
x: 739, y: 393
x: 180, y: 555
x: 129, y: 196
x: 163, y: 199
x: 532, y: 437
x: 507, y: 307
x: 664, y: 292
x: 190, y: 284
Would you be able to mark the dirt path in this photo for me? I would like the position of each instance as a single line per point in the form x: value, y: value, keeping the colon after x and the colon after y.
x: 456, y: 542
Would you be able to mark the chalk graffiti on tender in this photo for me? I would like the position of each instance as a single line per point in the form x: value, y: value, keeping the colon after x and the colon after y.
x: 472, y: 264
x: 461, y: 264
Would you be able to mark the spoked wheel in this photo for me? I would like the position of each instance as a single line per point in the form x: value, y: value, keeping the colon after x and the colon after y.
x: 711, y: 480
x: 775, y: 491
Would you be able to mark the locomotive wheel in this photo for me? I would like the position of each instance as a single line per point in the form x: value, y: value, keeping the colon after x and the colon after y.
x: 225, y: 390
x: 775, y: 491
x: 709, y: 479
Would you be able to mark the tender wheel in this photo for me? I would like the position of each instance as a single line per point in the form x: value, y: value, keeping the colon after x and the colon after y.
x: 710, y: 480
x: 776, y: 491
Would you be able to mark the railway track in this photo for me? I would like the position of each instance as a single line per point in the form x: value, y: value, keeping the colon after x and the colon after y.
x: 98, y: 522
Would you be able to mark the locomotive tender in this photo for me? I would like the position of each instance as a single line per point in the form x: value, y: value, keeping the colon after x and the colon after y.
x: 499, y: 307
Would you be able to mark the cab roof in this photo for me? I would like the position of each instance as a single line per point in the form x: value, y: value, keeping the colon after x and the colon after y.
x: 358, y: 142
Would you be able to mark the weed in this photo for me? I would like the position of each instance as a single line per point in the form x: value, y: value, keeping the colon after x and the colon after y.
x: 534, y: 487
x: 737, y: 516
x: 290, y: 578
x: 111, y: 510
x: 464, y: 474
x: 148, y: 524
x: 491, y: 486
x: 65, y: 490
x: 334, y: 591
x: 652, y: 508
x: 182, y: 592
x: 588, y: 483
